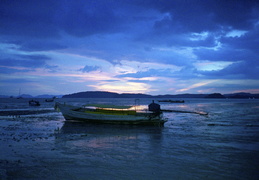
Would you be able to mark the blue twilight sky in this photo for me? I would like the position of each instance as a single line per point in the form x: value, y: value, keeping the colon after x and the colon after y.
x: 129, y: 46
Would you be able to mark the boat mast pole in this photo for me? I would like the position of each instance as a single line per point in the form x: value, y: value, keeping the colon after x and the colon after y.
x: 136, y: 100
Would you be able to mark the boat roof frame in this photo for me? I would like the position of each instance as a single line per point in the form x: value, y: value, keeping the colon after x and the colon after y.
x: 107, y: 106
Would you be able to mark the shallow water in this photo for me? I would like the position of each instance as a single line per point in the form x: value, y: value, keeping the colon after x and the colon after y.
x: 222, y: 145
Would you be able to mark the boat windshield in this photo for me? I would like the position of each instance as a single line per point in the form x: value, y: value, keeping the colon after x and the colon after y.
x: 107, y: 106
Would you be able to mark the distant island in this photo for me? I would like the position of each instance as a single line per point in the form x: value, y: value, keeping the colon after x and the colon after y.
x: 104, y: 94
x: 215, y: 95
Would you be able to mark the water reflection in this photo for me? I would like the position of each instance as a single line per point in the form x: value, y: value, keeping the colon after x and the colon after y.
x: 76, y: 127
x: 102, y: 136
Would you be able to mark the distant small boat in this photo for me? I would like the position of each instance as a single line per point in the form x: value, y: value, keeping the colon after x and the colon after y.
x: 50, y: 100
x: 34, y: 103
x: 112, y: 114
x: 172, y: 101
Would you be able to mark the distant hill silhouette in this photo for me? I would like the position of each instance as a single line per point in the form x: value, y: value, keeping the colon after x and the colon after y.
x: 215, y: 95
x: 242, y: 95
x: 104, y: 94
x: 26, y: 96
x: 30, y: 96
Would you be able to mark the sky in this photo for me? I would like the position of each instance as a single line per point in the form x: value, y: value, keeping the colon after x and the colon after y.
x: 129, y: 46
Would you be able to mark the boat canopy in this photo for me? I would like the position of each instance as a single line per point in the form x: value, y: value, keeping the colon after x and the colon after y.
x: 108, y: 106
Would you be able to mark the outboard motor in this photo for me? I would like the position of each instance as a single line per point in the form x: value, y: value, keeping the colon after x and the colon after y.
x: 154, y: 107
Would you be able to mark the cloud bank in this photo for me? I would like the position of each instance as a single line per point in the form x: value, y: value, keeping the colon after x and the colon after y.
x: 150, y: 46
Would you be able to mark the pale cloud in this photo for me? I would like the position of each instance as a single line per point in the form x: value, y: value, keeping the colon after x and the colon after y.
x: 183, y: 52
x: 236, y: 33
x: 205, y: 65
x: 197, y: 85
x: 70, y: 61
x: 15, y: 67
x: 126, y: 66
x: 123, y: 87
x: 199, y: 36
x: 141, y: 79
x: 105, y: 79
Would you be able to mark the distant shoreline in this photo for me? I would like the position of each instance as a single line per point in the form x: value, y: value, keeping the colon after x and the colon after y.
x: 104, y: 94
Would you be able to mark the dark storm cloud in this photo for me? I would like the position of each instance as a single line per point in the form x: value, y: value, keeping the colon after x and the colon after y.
x: 16, y: 81
x: 38, y: 19
x: 34, y: 58
x: 8, y: 70
x: 47, y: 18
x: 209, y: 15
x: 239, y: 70
x: 41, y: 45
x: 28, y: 18
x: 248, y: 41
x: 216, y: 17
x: 225, y: 54
x: 82, y: 18
x: 245, y: 63
x: 51, y: 69
x: 38, y: 25
x: 89, y: 68
x: 23, y: 63
x: 183, y: 33
x: 242, y: 50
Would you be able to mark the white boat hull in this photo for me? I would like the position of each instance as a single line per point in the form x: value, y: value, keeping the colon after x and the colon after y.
x: 71, y: 113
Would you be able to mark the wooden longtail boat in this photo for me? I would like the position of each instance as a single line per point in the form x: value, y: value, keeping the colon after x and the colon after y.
x: 34, y: 103
x: 111, y: 114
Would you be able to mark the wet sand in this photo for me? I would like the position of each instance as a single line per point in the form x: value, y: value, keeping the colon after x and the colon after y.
x: 25, y: 142
x: 24, y: 112
x: 38, y: 143
x: 44, y: 146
